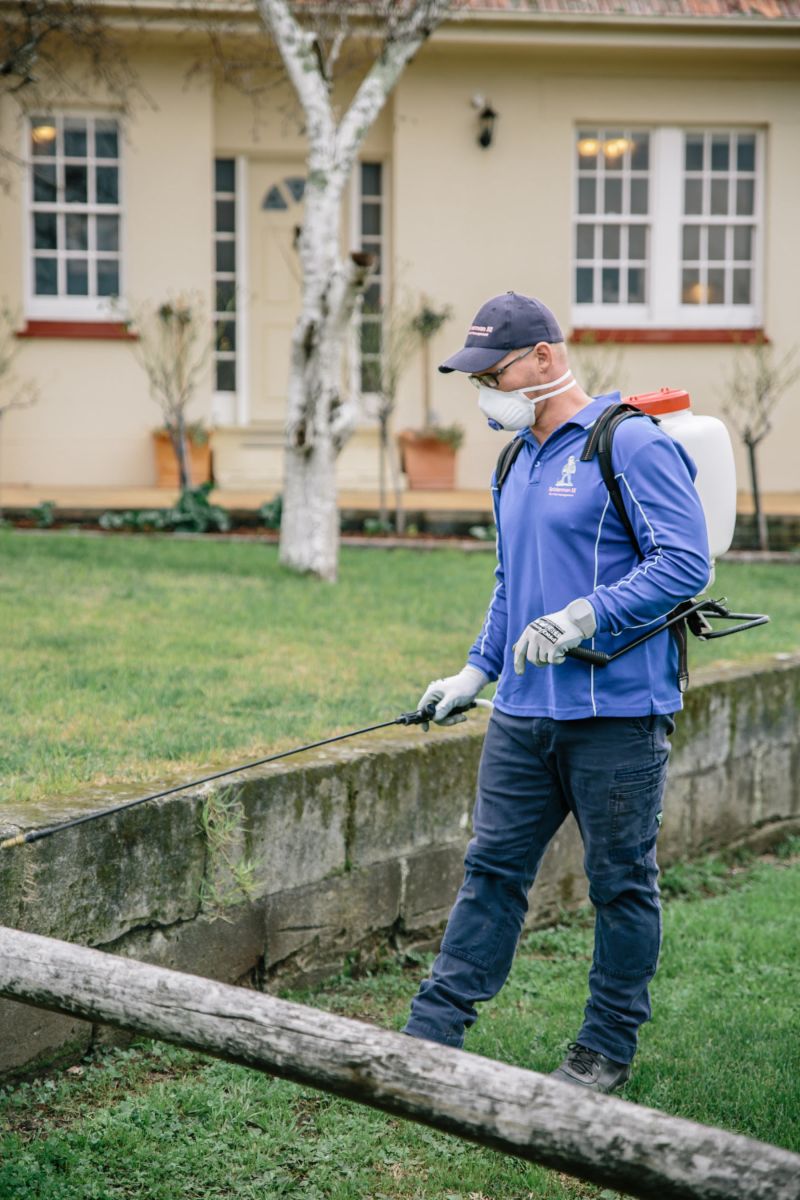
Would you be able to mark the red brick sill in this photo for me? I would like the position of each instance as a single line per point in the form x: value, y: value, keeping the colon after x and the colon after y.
x: 99, y: 330
x: 668, y: 337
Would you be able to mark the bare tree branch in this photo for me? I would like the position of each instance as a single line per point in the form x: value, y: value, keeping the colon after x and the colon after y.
x: 34, y: 36
x: 755, y: 385
x: 51, y: 53
x: 753, y: 388
x: 14, y: 393
x: 598, y: 365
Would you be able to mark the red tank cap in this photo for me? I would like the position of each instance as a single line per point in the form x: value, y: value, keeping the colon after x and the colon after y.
x: 665, y: 400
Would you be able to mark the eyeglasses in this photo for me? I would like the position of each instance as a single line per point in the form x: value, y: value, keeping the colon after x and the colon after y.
x: 492, y: 378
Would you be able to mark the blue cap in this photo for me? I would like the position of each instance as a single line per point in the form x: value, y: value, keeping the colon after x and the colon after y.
x: 504, y: 323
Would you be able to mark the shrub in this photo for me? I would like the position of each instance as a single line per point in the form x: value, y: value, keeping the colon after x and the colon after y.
x: 193, y: 513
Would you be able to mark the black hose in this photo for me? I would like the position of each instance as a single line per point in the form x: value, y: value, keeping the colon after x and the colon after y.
x: 418, y: 717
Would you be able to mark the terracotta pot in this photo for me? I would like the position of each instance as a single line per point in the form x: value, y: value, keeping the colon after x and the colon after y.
x: 429, y: 463
x: 167, y: 474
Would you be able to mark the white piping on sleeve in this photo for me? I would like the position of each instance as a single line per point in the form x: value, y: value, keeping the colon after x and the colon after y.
x: 487, y: 621
x: 594, y: 588
x: 488, y: 618
x: 638, y: 505
x: 644, y: 567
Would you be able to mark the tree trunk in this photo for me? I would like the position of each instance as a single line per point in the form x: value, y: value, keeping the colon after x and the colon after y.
x: 309, y: 540
x: 178, y: 436
x: 330, y: 285
x: 597, y: 1138
x: 383, y: 453
x: 394, y: 467
x: 760, y: 515
x: 319, y: 418
x: 426, y: 382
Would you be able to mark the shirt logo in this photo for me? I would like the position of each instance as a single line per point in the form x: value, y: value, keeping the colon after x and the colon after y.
x: 565, y: 486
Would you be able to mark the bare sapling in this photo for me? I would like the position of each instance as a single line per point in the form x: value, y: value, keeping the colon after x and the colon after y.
x: 397, y: 344
x: 174, y: 350
x: 14, y: 392
x: 598, y: 366
x: 753, y: 388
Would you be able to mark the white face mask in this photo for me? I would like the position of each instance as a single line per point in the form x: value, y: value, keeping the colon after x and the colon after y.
x: 516, y: 410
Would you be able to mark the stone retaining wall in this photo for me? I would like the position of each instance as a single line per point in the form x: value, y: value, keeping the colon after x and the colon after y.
x: 286, y: 873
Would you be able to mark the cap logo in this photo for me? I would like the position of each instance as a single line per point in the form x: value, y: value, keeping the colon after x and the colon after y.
x: 480, y: 330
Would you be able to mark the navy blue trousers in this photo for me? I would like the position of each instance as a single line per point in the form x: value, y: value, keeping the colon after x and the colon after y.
x: 609, y: 772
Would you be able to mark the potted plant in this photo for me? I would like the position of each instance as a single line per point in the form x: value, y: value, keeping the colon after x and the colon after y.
x: 174, y: 350
x: 198, y: 446
x: 429, y: 456
x: 429, y: 453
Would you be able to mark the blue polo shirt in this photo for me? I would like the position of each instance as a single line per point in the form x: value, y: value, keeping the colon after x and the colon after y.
x: 559, y: 537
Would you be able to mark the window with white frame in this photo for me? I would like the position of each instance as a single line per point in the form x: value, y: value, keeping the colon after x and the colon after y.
x: 613, y: 223
x: 74, y: 215
x: 667, y: 227
x: 371, y: 239
x: 225, y: 275
x: 718, y: 233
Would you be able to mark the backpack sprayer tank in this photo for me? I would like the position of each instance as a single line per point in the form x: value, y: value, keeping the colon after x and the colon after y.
x: 708, y: 442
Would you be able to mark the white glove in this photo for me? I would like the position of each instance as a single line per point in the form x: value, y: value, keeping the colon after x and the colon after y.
x: 454, y: 692
x: 545, y: 641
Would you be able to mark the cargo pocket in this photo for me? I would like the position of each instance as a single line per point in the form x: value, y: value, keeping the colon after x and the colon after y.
x: 636, y: 795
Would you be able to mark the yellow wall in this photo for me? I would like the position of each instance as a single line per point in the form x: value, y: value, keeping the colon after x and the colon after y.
x: 92, y: 424
x: 466, y: 223
x: 471, y: 223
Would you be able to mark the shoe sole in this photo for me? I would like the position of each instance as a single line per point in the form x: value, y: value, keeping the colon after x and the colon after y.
x: 589, y: 1087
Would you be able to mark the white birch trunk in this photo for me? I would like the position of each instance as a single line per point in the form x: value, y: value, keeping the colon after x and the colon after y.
x: 599, y: 1138
x: 320, y: 418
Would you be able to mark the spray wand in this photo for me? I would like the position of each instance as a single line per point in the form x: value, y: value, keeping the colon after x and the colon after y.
x: 695, y: 614
x: 420, y: 716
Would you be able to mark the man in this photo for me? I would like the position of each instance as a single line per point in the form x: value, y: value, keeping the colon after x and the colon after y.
x: 566, y: 737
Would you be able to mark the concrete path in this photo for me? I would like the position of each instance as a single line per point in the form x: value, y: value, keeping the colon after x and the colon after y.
x: 473, y: 502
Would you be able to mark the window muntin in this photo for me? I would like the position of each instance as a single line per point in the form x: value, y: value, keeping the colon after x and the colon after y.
x: 371, y: 240
x: 718, y: 230
x: 612, y: 224
x: 74, y: 213
x: 225, y: 319
x: 695, y: 261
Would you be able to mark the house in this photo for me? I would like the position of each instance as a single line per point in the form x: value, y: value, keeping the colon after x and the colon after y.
x: 641, y: 175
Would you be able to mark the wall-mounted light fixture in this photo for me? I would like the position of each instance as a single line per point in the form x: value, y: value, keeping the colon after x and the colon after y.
x: 591, y: 147
x: 486, y: 119
x: 43, y: 132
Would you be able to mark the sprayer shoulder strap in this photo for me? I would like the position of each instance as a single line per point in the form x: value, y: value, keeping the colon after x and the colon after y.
x: 599, y: 444
x: 506, y: 459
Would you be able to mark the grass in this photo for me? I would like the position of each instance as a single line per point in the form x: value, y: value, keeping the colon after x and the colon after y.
x: 157, y: 1123
x: 127, y: 659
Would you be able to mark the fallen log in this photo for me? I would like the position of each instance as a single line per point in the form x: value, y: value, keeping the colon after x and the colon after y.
x: 598, y: 1138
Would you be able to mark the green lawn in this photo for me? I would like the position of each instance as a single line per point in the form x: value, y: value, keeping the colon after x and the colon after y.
x: 127, y: 659
x: 154, y: 1123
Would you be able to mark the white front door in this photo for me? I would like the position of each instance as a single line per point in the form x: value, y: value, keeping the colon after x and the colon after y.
x: 275, y: 217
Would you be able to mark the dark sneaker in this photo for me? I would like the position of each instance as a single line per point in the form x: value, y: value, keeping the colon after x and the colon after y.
x: 591, y: 1069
